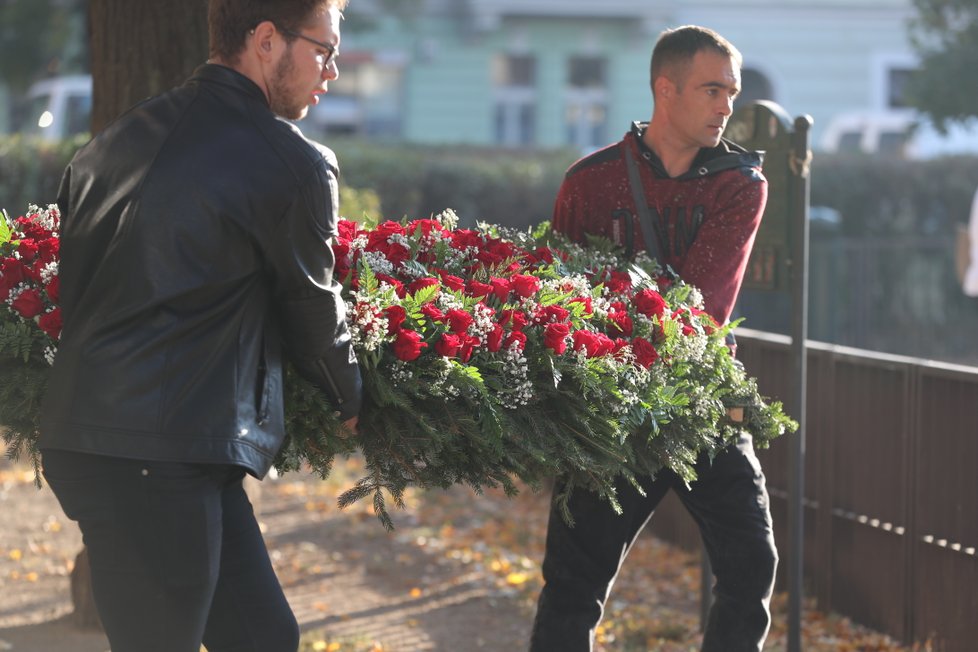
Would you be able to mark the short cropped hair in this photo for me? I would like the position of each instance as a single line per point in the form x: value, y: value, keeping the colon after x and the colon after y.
x: 676, y: 47
x: 229, y: 21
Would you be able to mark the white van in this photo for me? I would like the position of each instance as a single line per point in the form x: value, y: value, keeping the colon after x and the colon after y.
x: 902, y: 134
x: 58, y: 107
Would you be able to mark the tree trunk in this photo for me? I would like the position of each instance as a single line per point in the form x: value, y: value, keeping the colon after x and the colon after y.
x: 138, y: 49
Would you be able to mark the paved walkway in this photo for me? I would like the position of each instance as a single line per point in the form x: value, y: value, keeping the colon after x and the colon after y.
x: 342, y: 572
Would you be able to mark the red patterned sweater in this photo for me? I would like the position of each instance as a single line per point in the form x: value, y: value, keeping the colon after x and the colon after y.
x: 706, y: 219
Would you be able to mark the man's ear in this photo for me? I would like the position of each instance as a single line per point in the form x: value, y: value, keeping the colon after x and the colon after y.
x: 664, y: 88
x: 264, y: 39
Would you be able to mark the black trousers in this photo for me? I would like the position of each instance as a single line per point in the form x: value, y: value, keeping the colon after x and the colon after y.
x: 729, y: 502
x: 176, y: 554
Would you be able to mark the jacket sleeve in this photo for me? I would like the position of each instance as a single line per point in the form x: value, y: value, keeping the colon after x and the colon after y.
x: 717, y: 261
x: 309, y: 299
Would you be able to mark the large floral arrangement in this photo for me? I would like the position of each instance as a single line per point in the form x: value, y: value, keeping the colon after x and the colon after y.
x: 30, y: 321
x: 487, y: 356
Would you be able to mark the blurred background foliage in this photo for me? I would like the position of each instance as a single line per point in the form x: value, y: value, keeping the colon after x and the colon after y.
x: 882, y: 271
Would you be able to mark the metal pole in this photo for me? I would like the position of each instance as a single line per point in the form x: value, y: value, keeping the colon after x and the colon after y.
x: 799, y: 337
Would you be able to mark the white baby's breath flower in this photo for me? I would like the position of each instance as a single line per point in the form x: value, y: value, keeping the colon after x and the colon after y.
x: 448, y: 218
x: 378, y: 262
x: 49, y: 271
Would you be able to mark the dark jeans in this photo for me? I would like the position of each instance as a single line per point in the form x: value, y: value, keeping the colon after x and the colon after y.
x: 729, y: 502
x: 176, y: 555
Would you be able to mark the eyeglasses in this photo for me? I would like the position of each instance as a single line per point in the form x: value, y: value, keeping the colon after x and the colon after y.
x: 329, y: 47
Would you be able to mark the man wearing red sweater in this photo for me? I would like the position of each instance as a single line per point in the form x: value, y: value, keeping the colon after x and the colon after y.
x: 704, y: 197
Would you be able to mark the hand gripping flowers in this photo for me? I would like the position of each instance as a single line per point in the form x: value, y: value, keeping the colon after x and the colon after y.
x: 486, y: 357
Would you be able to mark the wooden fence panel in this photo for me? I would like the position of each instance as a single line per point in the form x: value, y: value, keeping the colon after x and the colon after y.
x: 891, y: 488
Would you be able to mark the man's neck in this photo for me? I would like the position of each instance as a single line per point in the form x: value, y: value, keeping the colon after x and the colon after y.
x: 677, y: 158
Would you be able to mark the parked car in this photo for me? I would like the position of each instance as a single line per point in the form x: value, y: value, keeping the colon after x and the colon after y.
x: 903, y: 134
x: 58, y: 107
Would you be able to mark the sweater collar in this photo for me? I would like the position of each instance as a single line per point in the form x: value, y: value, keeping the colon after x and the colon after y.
x: 709, y: 160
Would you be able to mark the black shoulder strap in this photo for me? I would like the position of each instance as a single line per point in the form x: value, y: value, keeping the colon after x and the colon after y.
x: 649, y: 233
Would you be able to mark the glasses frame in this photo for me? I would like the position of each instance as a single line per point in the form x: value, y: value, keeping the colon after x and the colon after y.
x: 331, y: 50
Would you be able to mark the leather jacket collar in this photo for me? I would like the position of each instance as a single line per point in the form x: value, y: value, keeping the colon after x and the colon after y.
x: 230, y: 78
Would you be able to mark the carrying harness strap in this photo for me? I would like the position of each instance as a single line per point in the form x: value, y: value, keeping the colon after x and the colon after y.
x: 649, y: 233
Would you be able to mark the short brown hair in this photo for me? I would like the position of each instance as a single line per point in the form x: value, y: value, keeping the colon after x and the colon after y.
x: 676, y: 47
x: 230, y: 20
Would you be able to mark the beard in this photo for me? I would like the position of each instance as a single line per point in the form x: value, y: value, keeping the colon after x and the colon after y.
x: 283, y: 98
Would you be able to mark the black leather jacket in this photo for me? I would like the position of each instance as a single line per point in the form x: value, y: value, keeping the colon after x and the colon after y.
x: 193, y: 252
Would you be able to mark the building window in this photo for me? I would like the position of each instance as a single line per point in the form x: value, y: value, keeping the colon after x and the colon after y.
x: 365, y: 100
x: 586, y: 72
x: 897, y: 81
x: 514, y: 81
x: 586, y: 105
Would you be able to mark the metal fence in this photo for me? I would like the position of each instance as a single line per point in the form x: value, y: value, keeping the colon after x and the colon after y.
x: 891, y: 488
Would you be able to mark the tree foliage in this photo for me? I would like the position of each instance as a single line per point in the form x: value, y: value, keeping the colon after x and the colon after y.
x: 35, y: 38
x: 945, y: 35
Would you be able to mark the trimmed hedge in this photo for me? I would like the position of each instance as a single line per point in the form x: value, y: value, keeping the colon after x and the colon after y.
x: 881, y: 279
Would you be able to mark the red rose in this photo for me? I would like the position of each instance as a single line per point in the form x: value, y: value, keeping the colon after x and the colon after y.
x: 384, y: 239
x: 27, y: 249
x: 619, y: 344
x: 47, y: 249
x: 594, y: 344
x: 407, y: 345
x: 346, y: 229
x: 421, y: 283
x: 551, y: 314
x: 465, y: 238
x: 494, y: 340
x: 540, y: 254
x: 12, y: 274
x: 50, y: 323
x: 645, y: 353
x: 453, y: 282
x: 650, y: 303
x: 501, y: 287
x: 620, y: 322
x: 478, y: 289
x: 519, y: 337
x: 395, y: 317
x: 448, y: 345
x: 458, y: 320
x: 393, y: 282
x: 426, y: 226
x: 432, y: 312
x: 515, y: 319
x: 588, y: 306
x: 53, y: 288
x: 619, y: 282
x: 467, y: 344
x: 341, y: 254
x: 524, y: 285
x: 555, y: 337
x: 28, y: 303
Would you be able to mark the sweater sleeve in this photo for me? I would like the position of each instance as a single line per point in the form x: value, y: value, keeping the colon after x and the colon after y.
x: 568, y: 212
x: 717, y: 261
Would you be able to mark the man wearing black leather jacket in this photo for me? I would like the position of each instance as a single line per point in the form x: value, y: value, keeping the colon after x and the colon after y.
x: 194, y: 257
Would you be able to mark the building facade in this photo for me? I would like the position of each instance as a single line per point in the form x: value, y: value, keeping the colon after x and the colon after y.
x: 550, y: 73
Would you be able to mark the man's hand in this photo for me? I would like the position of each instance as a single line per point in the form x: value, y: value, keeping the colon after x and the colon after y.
x: 348, y: 428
